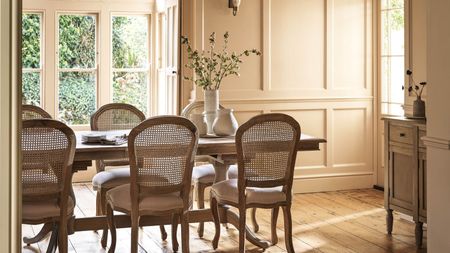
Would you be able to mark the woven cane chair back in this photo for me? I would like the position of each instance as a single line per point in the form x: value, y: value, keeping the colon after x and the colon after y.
x: 48, y: 148
x: 195, y: 107
x: 162, y: 151
x: 34, y: 112
x: 116, y: 116
x: 267, y: 148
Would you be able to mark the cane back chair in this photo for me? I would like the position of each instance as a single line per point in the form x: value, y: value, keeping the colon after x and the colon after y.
x: 161, y: 151
x: 34, y: 112
x: 266, y: 148
x: 48, y: 149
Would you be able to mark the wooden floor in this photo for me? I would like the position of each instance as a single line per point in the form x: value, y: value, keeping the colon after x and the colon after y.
x: 338, y: 222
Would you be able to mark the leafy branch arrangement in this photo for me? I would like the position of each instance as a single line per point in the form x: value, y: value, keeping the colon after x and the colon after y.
x: 413, y: 87
x: 211, y: 67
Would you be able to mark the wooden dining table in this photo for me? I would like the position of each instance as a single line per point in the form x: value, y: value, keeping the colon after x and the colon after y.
x: 222, y: 149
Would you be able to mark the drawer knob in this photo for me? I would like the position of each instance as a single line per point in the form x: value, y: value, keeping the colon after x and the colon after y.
x: 402, y: 134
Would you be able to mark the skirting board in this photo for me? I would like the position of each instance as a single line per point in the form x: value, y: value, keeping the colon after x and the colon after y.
x: 307, y: 185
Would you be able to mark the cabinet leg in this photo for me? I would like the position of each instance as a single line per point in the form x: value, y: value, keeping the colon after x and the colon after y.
x: 419, y: 234
x: 389, y: 221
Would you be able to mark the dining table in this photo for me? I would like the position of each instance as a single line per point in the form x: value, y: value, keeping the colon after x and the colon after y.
x: 221, y: 149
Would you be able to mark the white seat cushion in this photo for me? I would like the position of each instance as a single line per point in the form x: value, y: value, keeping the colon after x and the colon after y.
x: 120, y: 199
x: 43, y: 209
x: 111, y: 178
x: 233, y: 172
x: 204, y: 174
x: 227, y: 190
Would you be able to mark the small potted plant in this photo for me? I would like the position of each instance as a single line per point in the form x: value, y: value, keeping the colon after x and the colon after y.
x: 419, y: 104
x: 210, y: 67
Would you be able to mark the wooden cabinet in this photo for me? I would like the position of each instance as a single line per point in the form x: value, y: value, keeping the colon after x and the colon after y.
x: 406, y: 172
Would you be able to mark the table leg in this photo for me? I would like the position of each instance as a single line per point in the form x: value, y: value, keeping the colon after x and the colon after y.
x: 47, y: 228
x: 221, y: 171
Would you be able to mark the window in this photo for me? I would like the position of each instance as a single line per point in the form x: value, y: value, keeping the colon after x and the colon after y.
x: 31, y: 58
x: 392, y: 56
x: 77, y: 67
x: 131, y: 60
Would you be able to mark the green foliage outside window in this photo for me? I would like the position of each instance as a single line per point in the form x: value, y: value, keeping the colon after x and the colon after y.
x: 130, y: 51
x: 77, y: 50
x: 31, y: 58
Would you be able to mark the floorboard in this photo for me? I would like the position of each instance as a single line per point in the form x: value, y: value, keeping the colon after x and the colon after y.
x: 351, y: 221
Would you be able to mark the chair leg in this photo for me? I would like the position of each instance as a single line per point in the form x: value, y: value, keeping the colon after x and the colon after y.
x: 174, y: 232
x: 112, y: 228
x: 62, y: 236
x: 163, y: 232
x: 215, y: 213
x: 273, y: 225
x: 288, y: 229
x: 134, y: 232
x: 184, y: 232
x: 242, y: 217
x: 254, y: 222
x: 201, y: 205
x: 53, y: 243
x: 103, y: 212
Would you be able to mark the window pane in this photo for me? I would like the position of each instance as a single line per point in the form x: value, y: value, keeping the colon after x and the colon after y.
x: 392, y: 80
x: 130, y: 41
x: 76, y: 97
x: 392, y: 32
x: 392, y: 4
x: 31, y: 88
x: 31, y: 40
x: 77, y: 41
x: 131, y: 88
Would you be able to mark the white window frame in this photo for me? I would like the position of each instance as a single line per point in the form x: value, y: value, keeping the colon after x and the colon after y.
x: 39, y: 70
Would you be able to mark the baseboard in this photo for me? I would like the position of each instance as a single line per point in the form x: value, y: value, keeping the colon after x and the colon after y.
x: 306, y: 185
x: 377, y: 187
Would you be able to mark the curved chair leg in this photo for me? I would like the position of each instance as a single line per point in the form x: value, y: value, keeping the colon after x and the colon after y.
x: 45, y: 230
x: 254, y: 222
x: 242, y: 217
x: 112, y: 228
x: 273, y: 225
x: 53, y: 243
x: 163, y: 232
x: 184, y: 232
x: 102, y: 210
x: 174, y: 232
x: 134, y: 232
x: 288, y: 229
x: 62, y: 236
x: 201, y: 205
x: 215, y: 213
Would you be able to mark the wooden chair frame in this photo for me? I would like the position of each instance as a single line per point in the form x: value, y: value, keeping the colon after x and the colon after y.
x: 138, y: 191
x: 60, y: 222
x: 243, y: 183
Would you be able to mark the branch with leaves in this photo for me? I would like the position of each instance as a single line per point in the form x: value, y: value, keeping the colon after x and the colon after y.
x: 413, y: 87
x: 211, y: 67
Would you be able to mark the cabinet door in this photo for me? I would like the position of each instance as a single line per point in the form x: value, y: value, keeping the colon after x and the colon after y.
x: 401, y: 178
x: 422, y: 186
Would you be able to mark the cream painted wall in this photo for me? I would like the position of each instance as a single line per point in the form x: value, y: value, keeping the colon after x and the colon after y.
x: 316, y: 66
x: 438, y: 125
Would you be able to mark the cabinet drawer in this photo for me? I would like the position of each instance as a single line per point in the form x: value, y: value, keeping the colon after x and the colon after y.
x: 401, y: 134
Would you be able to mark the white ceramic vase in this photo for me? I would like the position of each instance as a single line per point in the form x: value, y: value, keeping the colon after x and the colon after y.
x: 211, y: 107
x: 225, y: 124
x: 199, y: 121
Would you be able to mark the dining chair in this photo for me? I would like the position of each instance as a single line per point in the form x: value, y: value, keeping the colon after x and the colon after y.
x: 34, y: 112
x: 202, y: 175
x: 114, y: 116
x: 266, y: 148
x: 48, y: 149
x: 161, y: 151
